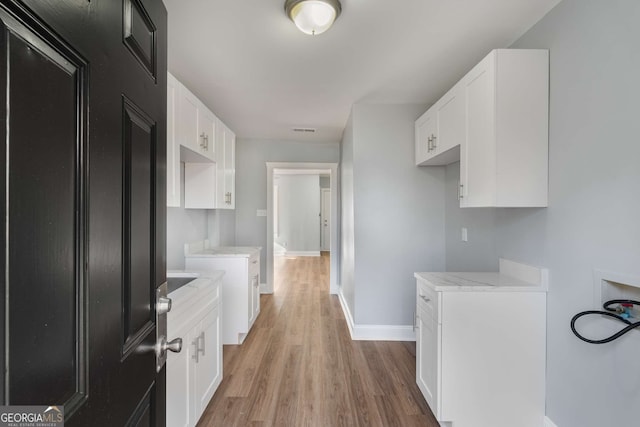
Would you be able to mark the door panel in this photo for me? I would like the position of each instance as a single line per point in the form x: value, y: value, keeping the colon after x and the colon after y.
x: 45, y: 192
x: 139, y: 224
x: 86, y: 207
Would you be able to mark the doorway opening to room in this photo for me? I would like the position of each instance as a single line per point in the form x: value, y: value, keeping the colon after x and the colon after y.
x: 302, y: 223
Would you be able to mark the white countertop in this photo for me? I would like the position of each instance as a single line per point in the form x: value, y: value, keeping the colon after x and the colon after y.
x: 514, y: 277
x: 211, y: 274
x: 202, y: 249
x: 202, y: 278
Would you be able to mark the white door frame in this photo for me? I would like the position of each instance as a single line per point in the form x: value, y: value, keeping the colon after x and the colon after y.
x: 323, y: 191
x: 333, y: 168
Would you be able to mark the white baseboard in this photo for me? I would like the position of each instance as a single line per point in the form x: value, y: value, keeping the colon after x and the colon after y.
x: 375, y: 332
x: 347, y: 313
x: 301, y: 253
x: 549, y: 423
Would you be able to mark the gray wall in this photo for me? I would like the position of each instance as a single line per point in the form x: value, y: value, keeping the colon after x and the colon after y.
x: 183, y: 226
x: 398, y: 214
x: 299, y: 223
x: 221, y: 226
x: 325, y: 182
x: 191, y: 225
x: 593, y: 220
x: 251, y: 182
x: 479, y: 252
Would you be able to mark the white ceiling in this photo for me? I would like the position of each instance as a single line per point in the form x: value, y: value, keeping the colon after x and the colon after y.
x: 262, y: 76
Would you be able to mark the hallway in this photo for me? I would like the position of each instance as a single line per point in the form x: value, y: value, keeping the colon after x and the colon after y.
x: 299, y: 367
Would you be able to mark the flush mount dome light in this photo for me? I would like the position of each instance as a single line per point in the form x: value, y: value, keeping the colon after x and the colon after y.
x: 313, y: 16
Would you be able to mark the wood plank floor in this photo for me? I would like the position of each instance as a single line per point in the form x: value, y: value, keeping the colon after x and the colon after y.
x: 299, y: 367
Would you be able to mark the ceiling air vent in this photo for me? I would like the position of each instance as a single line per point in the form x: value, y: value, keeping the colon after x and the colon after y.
x: 304, y: 130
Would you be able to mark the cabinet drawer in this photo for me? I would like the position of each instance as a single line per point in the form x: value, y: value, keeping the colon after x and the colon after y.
x: 428, y: 300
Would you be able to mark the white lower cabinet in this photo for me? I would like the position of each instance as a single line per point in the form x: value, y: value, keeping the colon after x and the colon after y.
x: 480, y: 354
x: 240, y: 287
x: 427, y: 339
x: 194, y: 374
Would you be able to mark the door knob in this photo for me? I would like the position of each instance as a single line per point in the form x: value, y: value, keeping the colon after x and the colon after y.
x: 175, y: 345
x: 163, y: 345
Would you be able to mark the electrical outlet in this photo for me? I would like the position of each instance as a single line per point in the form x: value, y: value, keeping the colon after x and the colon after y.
x: 464, y: 235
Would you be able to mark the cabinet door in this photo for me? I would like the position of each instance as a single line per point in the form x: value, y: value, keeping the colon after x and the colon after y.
x: 425, y: 129
x: 188, y: 135
x: 173, y: 146
x: 206, y: 132
x: 230, y: 168
x: 180, y: 385
x: 254, y: 298
x: 450, y: 112
x: 478, y: 156
x: 220, y: 146
x: 208, y: 369
x: 427, y: 348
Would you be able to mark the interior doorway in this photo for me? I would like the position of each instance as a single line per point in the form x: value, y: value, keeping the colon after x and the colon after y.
x: 279, y: 243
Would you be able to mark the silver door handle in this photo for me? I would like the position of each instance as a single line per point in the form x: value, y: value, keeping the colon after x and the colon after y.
x: 425, y: 298
x: 461, y: 191
x: 201, y: 338
x: 196, y: 350
x: 175, y: 345
x: 163, y: 345
x: 202, y: 140
x: 429, y: 145
x: 433, y: 142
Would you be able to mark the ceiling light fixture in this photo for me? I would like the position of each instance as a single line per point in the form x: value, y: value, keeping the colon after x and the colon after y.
x: 313, y: 16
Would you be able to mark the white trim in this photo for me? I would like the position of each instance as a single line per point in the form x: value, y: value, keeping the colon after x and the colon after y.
x: 383, y: 333
x: 333, y: 169
x: 301, y: 253
x: 347, y: 313
x: 548, y: 422
x: 375, y: 332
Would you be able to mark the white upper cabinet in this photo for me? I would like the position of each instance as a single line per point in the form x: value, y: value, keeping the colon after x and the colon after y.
x: 206, y: 132
x: 495, y: 122
x: 197, y: 125
x: 504, y: 161
x: 425, y: 131
x: 207, y: 147
x: 440, y: 131
x: 173, y: 148
x: 226, y: 178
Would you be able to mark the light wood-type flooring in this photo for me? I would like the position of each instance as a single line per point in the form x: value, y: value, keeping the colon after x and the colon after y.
x: 299, y: 367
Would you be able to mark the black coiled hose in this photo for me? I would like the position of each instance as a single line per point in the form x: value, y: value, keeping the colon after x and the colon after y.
x: 611, y: 312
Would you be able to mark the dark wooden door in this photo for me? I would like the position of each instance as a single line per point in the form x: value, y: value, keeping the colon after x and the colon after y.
x: 83, y: 89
